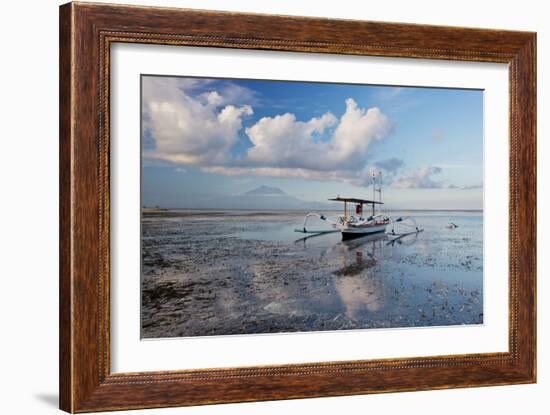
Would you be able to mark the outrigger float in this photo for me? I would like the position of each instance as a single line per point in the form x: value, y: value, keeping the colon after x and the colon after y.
x: 357, y: 225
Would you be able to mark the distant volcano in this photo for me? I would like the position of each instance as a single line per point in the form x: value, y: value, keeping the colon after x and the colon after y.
x: 266, y: 198
x: 265, y: 190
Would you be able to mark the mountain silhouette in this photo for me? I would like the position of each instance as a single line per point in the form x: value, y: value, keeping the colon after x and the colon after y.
x: 266, y: 198
x: 265, y: 190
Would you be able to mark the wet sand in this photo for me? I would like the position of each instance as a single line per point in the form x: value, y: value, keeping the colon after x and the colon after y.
x: 244, y: 272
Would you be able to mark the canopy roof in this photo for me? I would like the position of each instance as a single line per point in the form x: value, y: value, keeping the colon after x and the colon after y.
x: 355, y: 200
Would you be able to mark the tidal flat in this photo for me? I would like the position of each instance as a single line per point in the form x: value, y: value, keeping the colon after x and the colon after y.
x: 224, y: 272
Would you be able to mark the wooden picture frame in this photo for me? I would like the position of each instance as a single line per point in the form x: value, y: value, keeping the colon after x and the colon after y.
x: 86, y: 33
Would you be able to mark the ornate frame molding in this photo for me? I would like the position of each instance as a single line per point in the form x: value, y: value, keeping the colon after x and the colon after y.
x: 86, y: 34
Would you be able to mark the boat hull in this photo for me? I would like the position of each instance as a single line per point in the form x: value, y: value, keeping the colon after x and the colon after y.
x: 357, y: 232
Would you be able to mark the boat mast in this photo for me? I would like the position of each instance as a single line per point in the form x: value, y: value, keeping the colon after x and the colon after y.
x: 380, y: 187
x: 373, y: 191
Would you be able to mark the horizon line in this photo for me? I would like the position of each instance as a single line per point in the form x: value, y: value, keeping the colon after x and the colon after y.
x: 301, y: 210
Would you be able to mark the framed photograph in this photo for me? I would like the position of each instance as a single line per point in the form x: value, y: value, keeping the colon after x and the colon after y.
x: 258, y: 207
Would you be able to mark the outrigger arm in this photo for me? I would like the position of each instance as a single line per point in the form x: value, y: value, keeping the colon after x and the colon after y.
x: 403, y: 219
x: 320, y: 216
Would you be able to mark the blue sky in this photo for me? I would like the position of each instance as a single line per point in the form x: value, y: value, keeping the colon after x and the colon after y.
x: 204, y: 139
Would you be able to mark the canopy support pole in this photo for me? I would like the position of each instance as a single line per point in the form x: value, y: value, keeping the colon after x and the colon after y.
x: 345, y: 211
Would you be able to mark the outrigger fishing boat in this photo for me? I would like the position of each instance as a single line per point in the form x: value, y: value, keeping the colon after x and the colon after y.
x: 354, y: 225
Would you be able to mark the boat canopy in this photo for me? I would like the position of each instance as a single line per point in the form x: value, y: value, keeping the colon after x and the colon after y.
x: 355, y: 200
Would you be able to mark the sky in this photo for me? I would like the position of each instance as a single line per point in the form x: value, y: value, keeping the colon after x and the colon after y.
x: 204, y: 140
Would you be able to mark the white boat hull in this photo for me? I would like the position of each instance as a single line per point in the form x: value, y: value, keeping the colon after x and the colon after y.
x: 357, y: 231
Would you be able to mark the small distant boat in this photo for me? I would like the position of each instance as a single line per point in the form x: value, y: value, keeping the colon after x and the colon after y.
x: 354, y: 225
x: 451, y: 225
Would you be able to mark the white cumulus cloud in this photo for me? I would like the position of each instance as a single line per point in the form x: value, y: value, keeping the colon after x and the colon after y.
x: 189, y: 130
x: 283, y: 141
x: 202, y: 129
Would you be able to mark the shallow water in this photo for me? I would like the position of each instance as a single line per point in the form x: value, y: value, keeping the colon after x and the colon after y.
x: 235, y: 272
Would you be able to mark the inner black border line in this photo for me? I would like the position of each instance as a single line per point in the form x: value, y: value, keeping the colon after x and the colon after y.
x: 228, y: 78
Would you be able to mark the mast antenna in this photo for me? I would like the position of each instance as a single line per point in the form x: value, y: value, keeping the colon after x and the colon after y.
x: 373, y: 191
x: 380, y: 190
x: 380, y: 186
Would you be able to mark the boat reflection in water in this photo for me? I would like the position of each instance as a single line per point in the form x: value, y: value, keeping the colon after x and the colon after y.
x: 359, y: 290
x: 359, y: 279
